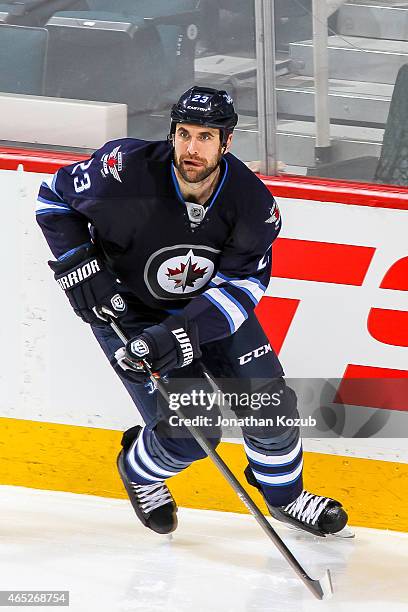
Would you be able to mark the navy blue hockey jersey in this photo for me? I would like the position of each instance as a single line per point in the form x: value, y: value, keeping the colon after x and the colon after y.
x: 126, y: 199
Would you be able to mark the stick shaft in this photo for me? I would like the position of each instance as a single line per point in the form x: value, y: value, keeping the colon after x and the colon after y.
x: 313, y: 585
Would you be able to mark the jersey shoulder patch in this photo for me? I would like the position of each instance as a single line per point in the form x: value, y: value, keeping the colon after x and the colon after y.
x: 110, y: 172
x: 116, y: 155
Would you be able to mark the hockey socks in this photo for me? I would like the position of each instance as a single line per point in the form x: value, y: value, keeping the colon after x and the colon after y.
x: 276, y: 466
x: 146, y: 459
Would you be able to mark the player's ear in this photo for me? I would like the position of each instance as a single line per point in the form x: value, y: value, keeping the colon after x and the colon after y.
x: 227, y: 145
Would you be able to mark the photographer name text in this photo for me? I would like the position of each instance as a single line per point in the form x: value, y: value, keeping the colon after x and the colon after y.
x: 246, y: 421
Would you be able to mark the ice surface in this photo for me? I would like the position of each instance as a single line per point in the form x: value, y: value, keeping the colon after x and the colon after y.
x: 216, y: 562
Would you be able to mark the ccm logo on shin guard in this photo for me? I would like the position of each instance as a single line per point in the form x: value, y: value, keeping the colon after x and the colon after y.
x: 185, y: 345
x: 258, y: 352
x: 80, y: 274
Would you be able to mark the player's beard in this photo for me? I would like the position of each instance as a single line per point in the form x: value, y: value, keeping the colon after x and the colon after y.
x: 196, y: 175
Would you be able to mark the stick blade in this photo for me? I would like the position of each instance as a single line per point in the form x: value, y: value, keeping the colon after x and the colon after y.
x: 323, y: 588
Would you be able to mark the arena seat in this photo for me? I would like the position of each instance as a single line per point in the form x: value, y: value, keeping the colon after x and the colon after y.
x: 23, y: 54
x: 142, y: 54
x: 35, y: 12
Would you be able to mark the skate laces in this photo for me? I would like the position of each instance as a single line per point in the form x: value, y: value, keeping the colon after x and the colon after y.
x: 151, y: 496
x: 307, y: 507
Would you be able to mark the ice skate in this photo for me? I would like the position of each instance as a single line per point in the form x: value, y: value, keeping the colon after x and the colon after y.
x: 153, y: 503
x: 318, y: 515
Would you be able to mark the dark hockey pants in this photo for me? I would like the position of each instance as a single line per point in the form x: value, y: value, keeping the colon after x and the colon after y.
x: 244, y: 364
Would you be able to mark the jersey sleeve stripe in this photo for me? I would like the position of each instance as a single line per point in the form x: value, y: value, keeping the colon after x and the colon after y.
x: 257, y: 282
x: 218, y: 305
x: 227, y: 304
x: 250, y: 293
x: 54, y: 210
x: 74, y: 250
x: 47, y: 191
x: 51, y: 208
x: 52, y: 202
x: 253, y: 289
x: 238, y: 304
x: 52, y: 185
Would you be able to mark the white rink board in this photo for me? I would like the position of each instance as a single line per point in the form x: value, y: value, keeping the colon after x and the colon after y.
x: 63, y: 377
x: 330, y: 327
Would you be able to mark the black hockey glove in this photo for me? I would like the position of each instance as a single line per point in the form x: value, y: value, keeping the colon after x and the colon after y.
x: 89, y: 286
x: 169, y: 345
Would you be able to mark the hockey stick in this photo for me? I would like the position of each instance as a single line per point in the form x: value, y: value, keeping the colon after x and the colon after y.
x: 322, y: 589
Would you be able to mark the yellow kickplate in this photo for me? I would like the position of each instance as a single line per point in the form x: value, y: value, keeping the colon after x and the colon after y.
x: 82, y: 460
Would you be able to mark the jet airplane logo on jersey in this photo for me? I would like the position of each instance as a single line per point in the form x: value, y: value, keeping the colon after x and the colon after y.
x: 275, y: 215
x: 186, y: 274
x: 112, y: 164
x: 181, y: 271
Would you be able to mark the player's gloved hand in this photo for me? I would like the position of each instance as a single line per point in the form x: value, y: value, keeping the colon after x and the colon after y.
x: 169, y: 345
x: 91, y: 288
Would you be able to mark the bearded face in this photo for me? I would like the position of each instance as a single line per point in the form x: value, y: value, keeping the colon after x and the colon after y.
x: 197, y: 151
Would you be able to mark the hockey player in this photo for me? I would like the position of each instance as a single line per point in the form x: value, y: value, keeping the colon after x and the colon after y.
x: 174, y: 239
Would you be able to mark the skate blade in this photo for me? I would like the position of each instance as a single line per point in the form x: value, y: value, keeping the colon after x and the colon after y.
x: 344, y: 534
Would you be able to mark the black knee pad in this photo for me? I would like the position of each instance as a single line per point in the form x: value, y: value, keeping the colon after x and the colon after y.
x: 275, y: 418
x: 273, y: 443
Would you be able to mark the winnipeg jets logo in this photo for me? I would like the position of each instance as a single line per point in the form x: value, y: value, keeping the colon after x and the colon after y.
x: 181, y: 271
x: 275, y: 215
x: 187, y: 273
x: 112, y: 164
